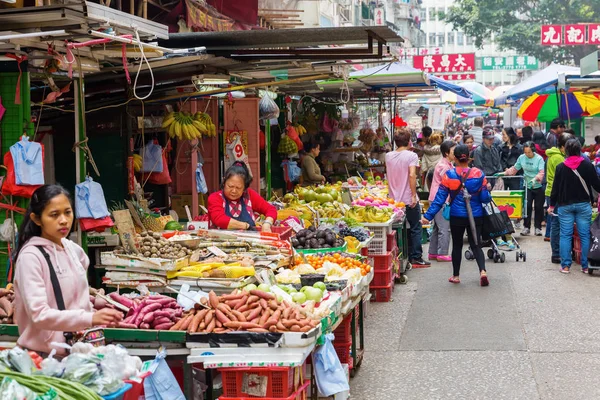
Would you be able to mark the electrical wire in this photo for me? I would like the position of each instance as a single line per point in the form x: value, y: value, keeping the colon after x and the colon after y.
x: 137, y: 75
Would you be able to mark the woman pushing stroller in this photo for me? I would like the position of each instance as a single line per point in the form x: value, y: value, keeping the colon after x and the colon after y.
x: 467, y: 188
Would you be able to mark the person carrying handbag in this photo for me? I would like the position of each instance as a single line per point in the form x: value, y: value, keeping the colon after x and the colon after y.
x: 571, y: 193
x: 468, y: 187
x: 440, y: 236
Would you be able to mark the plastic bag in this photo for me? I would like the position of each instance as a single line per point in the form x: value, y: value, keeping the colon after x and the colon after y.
x: 330, y: 375
x: 7, y: 230
x: 201, y: 186
x: 13, y: 390
x: 161, y: 177
x: 267, y: 108
x: 162, y: 385
x: 152, y: 157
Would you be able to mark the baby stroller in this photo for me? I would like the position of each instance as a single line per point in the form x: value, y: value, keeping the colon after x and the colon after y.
x: 594, y: 253
x: 497, y: 223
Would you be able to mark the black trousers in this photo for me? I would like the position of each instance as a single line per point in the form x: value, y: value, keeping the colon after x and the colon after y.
x: 535, y: 199
x: 458, y: 226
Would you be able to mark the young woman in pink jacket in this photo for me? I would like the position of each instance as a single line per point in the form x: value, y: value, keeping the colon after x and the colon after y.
x: 43, y: 244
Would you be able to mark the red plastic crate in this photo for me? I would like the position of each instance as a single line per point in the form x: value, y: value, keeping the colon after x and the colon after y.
x: 284, y: 232
x: 381, y: 262
x: 382, y: 277
x: 577, y: 256
x: 300, y: 394
x: 364, y: 251
x: 343, y: 333
x: 343, y: 353
x: 391, y: 241
x: 382, y: 294
x: 136, y: 391
x: 280, y: 381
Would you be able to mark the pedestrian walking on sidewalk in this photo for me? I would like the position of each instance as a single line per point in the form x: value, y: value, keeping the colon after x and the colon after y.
x: 454, y: 184
x: 571, y: 193
x: 440, y: 236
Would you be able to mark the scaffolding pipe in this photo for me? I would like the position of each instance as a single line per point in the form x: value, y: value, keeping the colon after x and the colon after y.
x: 32, y: 34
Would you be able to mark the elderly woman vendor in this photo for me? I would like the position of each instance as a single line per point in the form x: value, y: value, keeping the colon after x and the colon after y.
x: 233, y: 207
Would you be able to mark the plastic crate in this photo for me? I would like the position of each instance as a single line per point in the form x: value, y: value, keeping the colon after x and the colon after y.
x: 136, y: 391
x: 391, y: 240
x: 577, y: 256
x: 382, y: 261
x: 343, y: 333
x: 377, y: 246
x: 343, y: 351
x: 300, y: 394
x: 381, y: 294
x: 280, y: 381
x: 380, y: 231
x: 382, y: 277
x: 119, y: 394
x: 576, y: 243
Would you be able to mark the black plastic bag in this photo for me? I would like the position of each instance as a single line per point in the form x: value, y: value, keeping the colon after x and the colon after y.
x: 496, y: 223
x: 594, y: 253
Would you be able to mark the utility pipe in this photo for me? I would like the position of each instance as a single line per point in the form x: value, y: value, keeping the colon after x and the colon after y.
x: 33, y: 34
x: 123, y: 39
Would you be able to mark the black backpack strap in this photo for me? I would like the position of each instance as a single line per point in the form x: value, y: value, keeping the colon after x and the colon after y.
x: 60, y: 302
x: 463, y: 178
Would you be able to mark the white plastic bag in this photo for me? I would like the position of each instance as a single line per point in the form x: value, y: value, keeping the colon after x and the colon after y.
x: 7, y: 230
x: 330, y: 375
x: 267, y: 108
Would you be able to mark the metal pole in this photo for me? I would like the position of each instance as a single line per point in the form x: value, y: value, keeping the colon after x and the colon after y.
x: 80, y: 161
x: 268, y: 156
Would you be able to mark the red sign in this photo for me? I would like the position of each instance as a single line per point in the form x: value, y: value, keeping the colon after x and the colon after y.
x: 575, y: 34
x: 457, y: 77
x: 443, y: 63
x: 594, y: 34
x: 552, y: 35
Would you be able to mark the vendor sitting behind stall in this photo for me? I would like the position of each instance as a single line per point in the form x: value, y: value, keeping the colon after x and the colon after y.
x: 233, y: 207
x: 311, y: 172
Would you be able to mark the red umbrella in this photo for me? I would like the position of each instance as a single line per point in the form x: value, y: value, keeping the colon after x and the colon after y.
x: 399, y: 122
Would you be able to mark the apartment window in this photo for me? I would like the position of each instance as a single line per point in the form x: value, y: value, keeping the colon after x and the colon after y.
x: 423, y: 14
x: 470, y: 41
x: 432, y: 13
x: 440, y: 39
x: 432, y: 39
x: 450, y: 38
x: 460, y: 39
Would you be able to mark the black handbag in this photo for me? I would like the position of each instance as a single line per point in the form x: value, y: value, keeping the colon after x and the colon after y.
x: 496, y: 223
x: 594, y: 253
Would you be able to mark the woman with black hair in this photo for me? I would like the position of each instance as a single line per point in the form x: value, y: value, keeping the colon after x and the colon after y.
x: 571, y: 193
x: 311, y: 172
x: 453, y: 183
x: 51, y: 286
x: 233, y: 207
x: 510, y: 151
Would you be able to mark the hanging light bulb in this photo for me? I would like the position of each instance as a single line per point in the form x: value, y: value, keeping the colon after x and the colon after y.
x: 344, y: 112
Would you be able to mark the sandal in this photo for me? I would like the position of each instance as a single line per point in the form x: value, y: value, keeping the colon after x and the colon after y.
x: 454, y: 279
x: 565, y: 270
x: 483, y: 280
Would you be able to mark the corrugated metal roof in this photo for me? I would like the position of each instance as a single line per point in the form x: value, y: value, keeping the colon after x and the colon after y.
x: 265, y: 39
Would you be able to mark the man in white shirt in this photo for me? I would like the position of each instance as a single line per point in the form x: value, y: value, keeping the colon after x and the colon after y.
x: 477, y: 131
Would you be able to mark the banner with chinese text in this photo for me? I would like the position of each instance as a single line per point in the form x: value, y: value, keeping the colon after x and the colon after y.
x: 201, y: 18
x: 446, y: 63
x: 508, y: 63
x: 570, y: 34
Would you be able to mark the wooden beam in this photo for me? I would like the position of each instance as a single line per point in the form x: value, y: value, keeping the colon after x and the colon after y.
x: 276, y: 10
x: 157, y: 4
x: 278, y: 15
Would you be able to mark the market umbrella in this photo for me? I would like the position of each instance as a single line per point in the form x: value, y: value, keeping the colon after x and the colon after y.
x: 453, y: 98
x: 546, y: 107
x: 481, y: 95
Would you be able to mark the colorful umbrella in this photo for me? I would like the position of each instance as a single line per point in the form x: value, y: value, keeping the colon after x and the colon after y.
x: 546, y: 107
x: 480, y: 94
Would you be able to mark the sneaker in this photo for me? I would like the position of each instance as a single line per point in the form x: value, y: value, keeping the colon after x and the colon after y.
x: 500, y: 242
x: 517, y: 224
x: 419, y: 262
x: 585, y: 270
x: 538, y: 232
x: 432, y: 257
x: 525, y: 232
x: 444, y: 258
x: 511, y: 245
x: 565, y: 270
x: 555, y: 260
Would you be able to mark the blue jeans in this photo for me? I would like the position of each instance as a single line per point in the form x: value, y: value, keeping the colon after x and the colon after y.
x: 555, y: 234
x: 548, y: 219
x: 413, y: 217
x: 580, y: 214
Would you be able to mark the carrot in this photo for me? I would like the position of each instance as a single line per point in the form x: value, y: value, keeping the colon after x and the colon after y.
x: 213, y: 299
x: 196, y: 321
x: 263, y: 295
x: 179, y: 323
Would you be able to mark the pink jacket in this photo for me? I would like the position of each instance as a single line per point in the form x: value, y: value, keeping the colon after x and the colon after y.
x: 440, y: 170
x: 40, y: 322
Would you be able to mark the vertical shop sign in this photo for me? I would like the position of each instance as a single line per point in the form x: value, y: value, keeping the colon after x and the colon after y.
x: 379, y: 16
x: 552, y: 35
x: 437, y: 117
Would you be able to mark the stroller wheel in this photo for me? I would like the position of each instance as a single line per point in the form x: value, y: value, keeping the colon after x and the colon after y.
x: 468, y: 255
x: 590, y: 271
x: 518, y: 256
x: 502, y: 258
x: 524, y: 257
x: 496, y: 259
x: 490, y: 253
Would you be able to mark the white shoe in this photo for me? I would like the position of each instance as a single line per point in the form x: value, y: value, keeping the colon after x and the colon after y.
x: 538, y: 232
x: 525, y: 232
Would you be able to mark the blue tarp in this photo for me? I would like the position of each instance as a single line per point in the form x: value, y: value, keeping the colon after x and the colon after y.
x: 449, y: 87
x: 541, y: 80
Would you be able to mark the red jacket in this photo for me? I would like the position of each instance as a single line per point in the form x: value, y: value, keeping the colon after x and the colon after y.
x: 254, y: 203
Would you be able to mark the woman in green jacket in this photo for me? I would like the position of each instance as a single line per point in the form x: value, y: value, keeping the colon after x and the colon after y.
x: 311, y: 172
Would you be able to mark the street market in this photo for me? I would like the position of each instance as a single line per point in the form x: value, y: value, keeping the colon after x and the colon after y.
x: 219, y: 201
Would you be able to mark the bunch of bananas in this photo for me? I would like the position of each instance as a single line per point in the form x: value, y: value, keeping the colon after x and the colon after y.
x: 137, y: 162
x: 208, y: 122
x: 300, y: 129
x: 183, y: 126
x: 369, y: 214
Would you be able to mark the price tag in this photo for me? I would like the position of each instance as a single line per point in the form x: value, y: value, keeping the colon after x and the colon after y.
x: 217, y: 251
x: 254, y: 385
x: 294, y: 225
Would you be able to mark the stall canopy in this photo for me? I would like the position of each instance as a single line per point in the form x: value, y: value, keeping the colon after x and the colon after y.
x: 542, y: 80
x: 449, y: 87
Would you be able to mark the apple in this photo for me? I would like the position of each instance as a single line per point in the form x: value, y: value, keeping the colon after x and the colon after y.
x: 250, y: 287
x: 264, y: 287
x: 299, y: 298
x: 191, y: 228
x: 320, y: 285
x: 292, y: 290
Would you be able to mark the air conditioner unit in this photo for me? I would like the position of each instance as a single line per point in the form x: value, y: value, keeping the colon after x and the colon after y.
x: 345, y: 14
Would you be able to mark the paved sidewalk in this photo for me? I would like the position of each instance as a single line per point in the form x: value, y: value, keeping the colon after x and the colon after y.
x: 534, y: 333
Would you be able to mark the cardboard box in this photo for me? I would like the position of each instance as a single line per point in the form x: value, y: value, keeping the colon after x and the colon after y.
x: 179, y: 201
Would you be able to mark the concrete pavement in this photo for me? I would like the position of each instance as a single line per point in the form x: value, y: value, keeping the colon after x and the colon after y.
x: 534, y: 333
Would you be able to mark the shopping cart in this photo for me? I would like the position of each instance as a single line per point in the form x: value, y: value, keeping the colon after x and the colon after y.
x: 514, y: 202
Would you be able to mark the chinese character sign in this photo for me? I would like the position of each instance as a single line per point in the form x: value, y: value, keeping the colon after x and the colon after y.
x: 379, y: 16
x: 509, y: 63
x: 456, y: 77
x: 445, y: 63
x: 571, y: 34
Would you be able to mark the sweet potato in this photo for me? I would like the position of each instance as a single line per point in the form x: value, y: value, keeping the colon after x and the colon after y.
x: 227, y: 297
x: 164, y: 327
x: 121, y: 299
x: 263, y: 303
x: 222, y: 317
x: 241, y: 325
x: 126, y: 326
x: 168, y: 313
x: 263, y: 295
x: 185, y: 325
x: 270, y: 322
x: 244, y: 308
x: 280, y: 326
x: 258, y: 330
x: 6, y: 306
x: 286, y: 313
x: 264, y: 317
x: 4, y: 292
x: 306, y: 328
x: 276, y: 315
x: 256, y: 321
x: 253, y: 314
x: 177, y: 326
x: 211, y: 326
x: 209, y: 317
x: 144, y: 325
x: 295, y: 328
x: 196, y: 321
x: 240, y: 317
x: 149, y: 317
x: 224, y: 308
x: 213, y: 299
x: 252, y: 299
x: 161, y: 320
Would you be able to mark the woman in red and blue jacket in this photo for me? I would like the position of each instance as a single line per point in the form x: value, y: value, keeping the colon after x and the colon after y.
x: 477, y: 186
